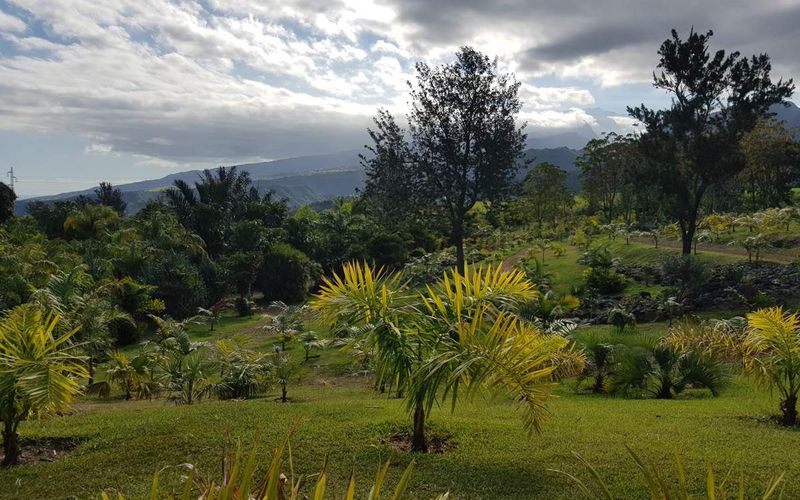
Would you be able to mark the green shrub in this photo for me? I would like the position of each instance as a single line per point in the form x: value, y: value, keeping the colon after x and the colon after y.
x: 606, y: 281
x: 686, y: 272
x: 389, y: 250
x: 287, y: 274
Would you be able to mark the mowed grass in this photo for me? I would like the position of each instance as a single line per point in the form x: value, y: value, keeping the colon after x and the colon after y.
x: 125, y: 442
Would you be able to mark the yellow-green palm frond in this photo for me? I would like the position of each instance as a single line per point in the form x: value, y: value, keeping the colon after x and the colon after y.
x: 772, y: 348
x: 38, y: 368
x: 457, y: 294
x: 505, y: 353
x: 360, y: 293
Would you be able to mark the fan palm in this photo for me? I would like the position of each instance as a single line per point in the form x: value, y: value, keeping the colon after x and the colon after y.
x: 459, y: 332
x: 38, y: 371
x: 772, y: 355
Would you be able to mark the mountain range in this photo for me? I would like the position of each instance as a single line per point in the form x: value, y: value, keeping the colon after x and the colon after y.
x: 320, y: 178
x: 301, y: 180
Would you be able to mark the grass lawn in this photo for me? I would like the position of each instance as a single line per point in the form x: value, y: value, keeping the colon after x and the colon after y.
x: 125, y: 442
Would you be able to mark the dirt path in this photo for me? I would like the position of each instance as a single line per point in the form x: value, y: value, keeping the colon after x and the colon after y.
x: 718, y: 248
x: 512, y: 261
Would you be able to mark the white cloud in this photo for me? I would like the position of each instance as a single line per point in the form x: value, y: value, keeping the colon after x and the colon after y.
x: 99, y: 149
x: 225, y: 80
x: 554, y: 97
x: 11, y: 23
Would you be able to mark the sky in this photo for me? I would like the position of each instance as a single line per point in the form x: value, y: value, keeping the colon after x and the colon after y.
x: 125, y: 90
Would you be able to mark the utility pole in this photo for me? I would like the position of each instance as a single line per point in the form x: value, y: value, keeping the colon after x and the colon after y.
x: 11, y: 178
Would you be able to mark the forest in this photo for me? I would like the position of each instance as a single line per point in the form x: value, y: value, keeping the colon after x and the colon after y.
x: 468, y: 324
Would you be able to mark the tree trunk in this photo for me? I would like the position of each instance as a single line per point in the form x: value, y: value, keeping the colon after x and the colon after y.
x: 90, y: 366
x: 418, y: 442
x: 458, y: 240
x: 11, y: 449
x: 599, y: 384
x: 789, y: 411
x: 664, y: 390
x: 686, y: 241
x: 283, y: 392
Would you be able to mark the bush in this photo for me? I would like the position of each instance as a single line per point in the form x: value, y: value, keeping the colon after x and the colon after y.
x: 387, y: 250
x: 287, y: 274
x: 685, y: 272
x: 606, y: 281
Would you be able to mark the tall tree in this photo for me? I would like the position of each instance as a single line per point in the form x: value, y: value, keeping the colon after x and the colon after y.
x: 218, y: 199
x: 772, y: 156
x: 465, y: 142
x: 546, y: 192
x: 694, y: 145
x: 608, y: 166
x: 108, y: 195
x: 392, y: 188
x: 7, y: 198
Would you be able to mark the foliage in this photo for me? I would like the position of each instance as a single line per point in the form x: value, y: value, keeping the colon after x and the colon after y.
x: 7, y: 198
x: 598, y: 350
x: 287, y: 274
x: 772, y: 355
x: 545, y: 193
x: 663, y: 370
x: 607, y: 167
x: 660, y: 487
x: 685, y: 271
x: 424, y: 347
x: 239, y: 478
x: 694, y: 145
x: 245, y: 372
x: 621, y: 319
x: 38, y: 371
x: 465, y: 143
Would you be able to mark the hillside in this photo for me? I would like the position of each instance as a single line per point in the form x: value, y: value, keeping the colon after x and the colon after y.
x: 301, y: 180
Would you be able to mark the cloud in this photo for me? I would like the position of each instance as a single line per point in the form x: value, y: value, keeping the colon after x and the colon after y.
x: 11, y: 23
x: 223, y: 81
x: 98, y: 149
x: 552, y: 97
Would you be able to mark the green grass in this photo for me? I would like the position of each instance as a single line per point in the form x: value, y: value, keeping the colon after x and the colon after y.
x: 125, y: 442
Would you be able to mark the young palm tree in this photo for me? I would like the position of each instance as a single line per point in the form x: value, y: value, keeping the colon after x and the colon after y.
x: 283, y: 371
x: 38, y: 371
x: 287, y: 323
x: 664, y: 371
x: 459, y: 332
x: 772, y: 355
x: 310, y: 340
x: 598, y: 350
x: 130, y: 374
x: 186, y: 377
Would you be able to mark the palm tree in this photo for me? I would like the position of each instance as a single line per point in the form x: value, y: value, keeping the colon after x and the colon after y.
x: 74, y: 296
x: 598, y: 350
x: 38, y: 371
x: 287, y: 322
x: 284, y: 371
x: 309, y: 340
x: 772, y: 355
x: 187, y: 377
x: 457, y: 333
x: 130, y: 374
x: 664, y: 370
x: 213, y: 313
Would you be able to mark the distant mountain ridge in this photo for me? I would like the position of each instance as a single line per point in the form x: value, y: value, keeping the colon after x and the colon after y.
x: 301, y: 180
x: 315, y: 179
